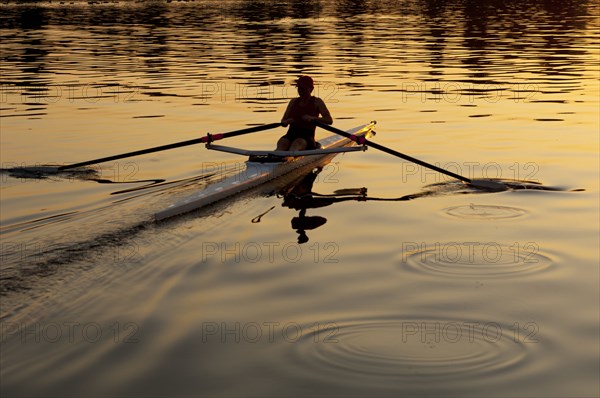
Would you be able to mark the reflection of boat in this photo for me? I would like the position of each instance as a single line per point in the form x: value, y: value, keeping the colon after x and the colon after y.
x: 264, y: 166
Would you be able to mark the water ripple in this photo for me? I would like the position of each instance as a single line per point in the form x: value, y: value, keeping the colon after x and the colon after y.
x: 475, y: 259
x: 408, y: 350
x: 484, y: 212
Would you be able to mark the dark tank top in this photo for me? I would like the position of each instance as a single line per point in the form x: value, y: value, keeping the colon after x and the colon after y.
x: 301, y: 128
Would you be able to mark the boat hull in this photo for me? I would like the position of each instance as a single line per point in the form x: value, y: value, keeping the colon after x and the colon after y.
x: 255, y: 174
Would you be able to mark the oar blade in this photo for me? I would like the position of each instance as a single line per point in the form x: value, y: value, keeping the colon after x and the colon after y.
x: 41, y: 172
x: 489, y: 185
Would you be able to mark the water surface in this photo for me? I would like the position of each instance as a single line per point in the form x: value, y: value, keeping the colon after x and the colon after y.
x: 454, y: 292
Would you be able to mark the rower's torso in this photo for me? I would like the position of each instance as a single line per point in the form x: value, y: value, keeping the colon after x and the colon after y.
x: 300, y: 108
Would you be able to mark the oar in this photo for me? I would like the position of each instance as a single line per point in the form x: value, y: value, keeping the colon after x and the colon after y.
x: 491, y: 185
x: 207, y: 138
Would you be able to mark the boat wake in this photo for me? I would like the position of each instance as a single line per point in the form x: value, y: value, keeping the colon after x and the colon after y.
x: 46, y: 242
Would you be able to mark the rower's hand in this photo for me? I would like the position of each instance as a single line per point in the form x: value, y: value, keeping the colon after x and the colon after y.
x: 285, y: 122
x: 308, y: 118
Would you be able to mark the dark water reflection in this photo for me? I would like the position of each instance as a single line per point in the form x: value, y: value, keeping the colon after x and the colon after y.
x: 499, y: 43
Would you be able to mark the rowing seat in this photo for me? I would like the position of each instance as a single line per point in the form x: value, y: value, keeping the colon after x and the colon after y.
x: 270, y: 158
x: 266, y: 158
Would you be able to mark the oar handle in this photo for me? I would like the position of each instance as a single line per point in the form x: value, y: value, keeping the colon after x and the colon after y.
x: 207, y: 138
x: 364, y: 141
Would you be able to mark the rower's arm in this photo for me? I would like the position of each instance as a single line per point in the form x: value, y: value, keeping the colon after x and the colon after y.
x: 325, y: 115
x: 286, y: 115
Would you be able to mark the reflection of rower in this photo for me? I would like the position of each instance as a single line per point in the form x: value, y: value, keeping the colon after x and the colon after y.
x: 292, y: 199
x: 299, y: 196
x: 302, y: 223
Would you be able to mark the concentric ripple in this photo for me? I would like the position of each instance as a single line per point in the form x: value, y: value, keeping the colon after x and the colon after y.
x: 484, y: 212
x: 408, y: 350
x: 475, y: 259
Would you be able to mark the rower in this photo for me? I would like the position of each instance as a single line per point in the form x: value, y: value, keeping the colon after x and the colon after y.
x: 300, y: 114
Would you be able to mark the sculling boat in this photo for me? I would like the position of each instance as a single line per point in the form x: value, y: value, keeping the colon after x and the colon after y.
x: 264, y: 166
